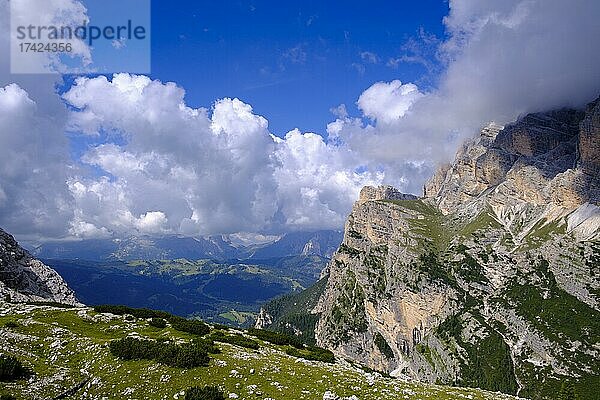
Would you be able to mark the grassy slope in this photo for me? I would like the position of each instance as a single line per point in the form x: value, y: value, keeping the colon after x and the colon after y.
x: 64, y: 346
x: 291, y: 312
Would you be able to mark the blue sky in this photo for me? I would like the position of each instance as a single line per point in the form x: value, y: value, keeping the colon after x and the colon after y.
x: 292, y: 61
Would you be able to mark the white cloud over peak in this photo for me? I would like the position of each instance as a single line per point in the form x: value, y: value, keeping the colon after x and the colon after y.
x: 512, y: 57
x: 502, y: 59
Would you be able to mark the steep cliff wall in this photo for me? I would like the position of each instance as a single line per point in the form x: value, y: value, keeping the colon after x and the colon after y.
x: 492, y: 279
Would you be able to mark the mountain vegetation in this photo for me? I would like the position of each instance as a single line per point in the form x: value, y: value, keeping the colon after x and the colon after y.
x: 82, y: 352
x: 221, y: 292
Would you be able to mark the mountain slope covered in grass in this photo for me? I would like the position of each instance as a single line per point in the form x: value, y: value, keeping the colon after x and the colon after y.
x: 74, y: 349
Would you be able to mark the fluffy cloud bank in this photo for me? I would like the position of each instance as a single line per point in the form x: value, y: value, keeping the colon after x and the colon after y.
x: 158, y: 166
x: 33, y: 166
x: 199, y: 171
x: 388, y: 102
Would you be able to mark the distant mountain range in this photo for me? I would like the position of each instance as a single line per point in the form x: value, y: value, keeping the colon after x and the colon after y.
x: 170, y: 247
x: 320, y: 243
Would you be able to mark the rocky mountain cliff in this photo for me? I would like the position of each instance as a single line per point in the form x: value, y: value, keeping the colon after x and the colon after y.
x: 25, y: 279
x: 492, y: 278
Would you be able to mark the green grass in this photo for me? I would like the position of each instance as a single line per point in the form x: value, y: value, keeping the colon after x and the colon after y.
x: 64, y: 347
x: 238, y: 317
x: 484, y: 220
x: 430, y: 225
x: 541, y: 233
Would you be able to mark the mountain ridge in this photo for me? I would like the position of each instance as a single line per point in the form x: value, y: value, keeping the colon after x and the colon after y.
x: 490, y: 279
x: 219, y: 247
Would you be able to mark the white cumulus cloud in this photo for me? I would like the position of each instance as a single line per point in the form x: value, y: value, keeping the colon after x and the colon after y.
x: 204, y: 171
x: 387, y: 102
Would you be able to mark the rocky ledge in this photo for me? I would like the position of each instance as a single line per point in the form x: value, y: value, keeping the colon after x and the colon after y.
x: 25, y: 279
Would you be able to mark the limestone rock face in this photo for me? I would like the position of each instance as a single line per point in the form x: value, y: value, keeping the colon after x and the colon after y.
x: 589, y: 140
x: 542, y: 158
x: 492, y: 279
x: 23, y: 278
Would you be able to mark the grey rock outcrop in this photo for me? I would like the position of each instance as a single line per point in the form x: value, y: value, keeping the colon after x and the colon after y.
x: 544, y: 158
x: 24, y: 279
x: 589, y: 143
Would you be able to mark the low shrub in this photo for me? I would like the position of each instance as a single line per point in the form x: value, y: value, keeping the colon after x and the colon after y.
x: 158, y: 323
x: 189, y: 355
x: 192, y: 326
x: 276, y: 338
x: 11, y: 368
x: 236, y: 339
x: 221, y: 327
x: 312, y: 353
x: 136, y: 312
x: 204, y: 393
x: 134, y: 349
x: 207, y: 345
x: 182, y: 356
x: 181, y: 324
x: 11, y: 324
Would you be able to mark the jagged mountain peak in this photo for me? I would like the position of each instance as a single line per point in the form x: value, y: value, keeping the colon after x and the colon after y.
x: 384, y: 192
x: 542, y: 159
